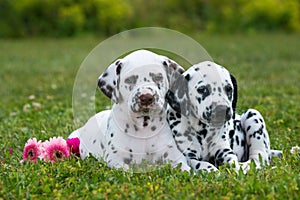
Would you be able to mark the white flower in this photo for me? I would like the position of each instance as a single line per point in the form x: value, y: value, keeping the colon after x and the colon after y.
x: 31, y: 97
x: 53, y: 86
x: 37, y: 105
x: 295, y: 149
x: 26, y: 108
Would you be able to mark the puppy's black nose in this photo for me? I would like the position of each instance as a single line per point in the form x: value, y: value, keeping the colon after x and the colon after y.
x: 222, y: 112
x: 146, y: 99
x: 220, y: 109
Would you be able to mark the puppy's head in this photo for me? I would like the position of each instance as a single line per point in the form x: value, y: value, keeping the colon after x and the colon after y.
x: 206, y: 91
x: 140, y: 80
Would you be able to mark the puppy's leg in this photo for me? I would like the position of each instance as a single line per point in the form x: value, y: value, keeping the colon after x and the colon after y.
x: 276, y: 153
x: 91, y: 136
x: 180, y: 159
x: 202, y: 165
x: 257, y: 137
x: 225, y: 155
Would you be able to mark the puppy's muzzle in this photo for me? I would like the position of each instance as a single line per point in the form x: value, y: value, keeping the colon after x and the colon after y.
x: 218, y: 115
x: 221, y: 113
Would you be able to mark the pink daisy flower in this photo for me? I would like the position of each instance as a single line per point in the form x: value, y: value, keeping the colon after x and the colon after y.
x: 32, y: 150
x: 73, y: 145
x: 55, y: 149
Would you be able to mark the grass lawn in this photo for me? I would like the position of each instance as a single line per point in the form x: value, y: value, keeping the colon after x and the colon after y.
x: 266, y: 66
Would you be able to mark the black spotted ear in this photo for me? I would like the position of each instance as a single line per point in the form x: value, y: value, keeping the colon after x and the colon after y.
x: 177, y: 96
x: 108, y: 82
x: 235, y: 94
x: 172, y: 100
x: 173, y: 70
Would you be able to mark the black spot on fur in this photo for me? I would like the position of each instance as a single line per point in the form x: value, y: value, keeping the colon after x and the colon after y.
x: 178, y: 115
x: 248, y: 128
x: 202, y: 133
x: 166, y: 154
x: 105, y: 74
x: 199, y: 100
x: 237, y: 140
x: 235, y: 94
x: 191, y: 155
x: 176, y: 123
x: 118, y: 70
x: 199, y: 139
x: 243, y: 143
x: 250, y: 114
x: 193, y: 151
x: 187, y: 77
x: 145, y: 122
x: 231, y: 133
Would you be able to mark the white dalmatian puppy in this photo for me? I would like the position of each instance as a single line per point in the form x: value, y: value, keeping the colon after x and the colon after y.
x: 135, y: 130
x: 205, y: 126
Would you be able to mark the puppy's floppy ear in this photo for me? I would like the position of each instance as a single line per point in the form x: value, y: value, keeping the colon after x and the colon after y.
x: 173, y: 101
x: 108, y: 81
x: 173, y: 70
x: 235, y: 94
x: 177, y: 96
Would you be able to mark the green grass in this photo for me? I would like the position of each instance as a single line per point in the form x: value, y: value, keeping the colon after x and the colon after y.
x: 267, y: 67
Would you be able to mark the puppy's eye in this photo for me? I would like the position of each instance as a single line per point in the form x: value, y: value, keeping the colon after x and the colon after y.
x: 131, y: 80
x: 203, y: 90
x: 157, y: 77
x: 228, y: 90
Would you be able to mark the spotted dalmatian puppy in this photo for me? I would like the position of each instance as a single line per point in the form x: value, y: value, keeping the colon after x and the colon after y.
x: 205, y: 126
x: 135, y: 130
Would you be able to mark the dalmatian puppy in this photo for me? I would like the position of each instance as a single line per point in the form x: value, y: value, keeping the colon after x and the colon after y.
x: 135, y: 130
x: 205, y: 126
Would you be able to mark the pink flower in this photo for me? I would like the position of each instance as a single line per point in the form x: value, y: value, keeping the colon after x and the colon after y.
x: 73, y: 144
x: 10, y: 150
x: 32, y: 150
x: 55, y: 149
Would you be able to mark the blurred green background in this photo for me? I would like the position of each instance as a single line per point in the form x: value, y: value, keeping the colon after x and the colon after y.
x: 62, y: 18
